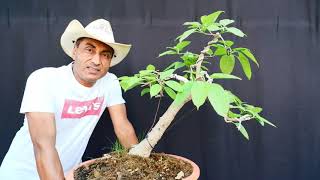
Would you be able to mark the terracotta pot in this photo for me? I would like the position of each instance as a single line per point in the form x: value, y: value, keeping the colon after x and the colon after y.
x: 194, y: 176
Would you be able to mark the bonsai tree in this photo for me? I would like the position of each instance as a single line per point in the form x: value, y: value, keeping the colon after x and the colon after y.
x: 189, y: 79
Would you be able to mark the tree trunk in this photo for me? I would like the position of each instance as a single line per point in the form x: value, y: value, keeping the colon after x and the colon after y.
x: 145, y: 147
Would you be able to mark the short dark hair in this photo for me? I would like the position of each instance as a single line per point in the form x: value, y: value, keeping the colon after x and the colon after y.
x: 78, y: 41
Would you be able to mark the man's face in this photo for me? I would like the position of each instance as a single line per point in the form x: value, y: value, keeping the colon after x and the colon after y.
x: 92, y: 60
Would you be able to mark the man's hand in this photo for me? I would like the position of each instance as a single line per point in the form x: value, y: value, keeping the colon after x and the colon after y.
x: 42, y: 130
x: 122, y: 126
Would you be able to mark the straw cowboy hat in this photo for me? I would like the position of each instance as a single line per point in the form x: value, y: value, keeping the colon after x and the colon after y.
x: 100, y: 30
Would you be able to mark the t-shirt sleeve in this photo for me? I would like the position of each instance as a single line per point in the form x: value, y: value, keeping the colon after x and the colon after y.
x: 114, y: 93
x: 37, y: 96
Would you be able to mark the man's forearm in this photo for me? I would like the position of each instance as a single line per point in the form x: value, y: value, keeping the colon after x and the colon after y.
x: 48, y: 164
x: 127, y: 136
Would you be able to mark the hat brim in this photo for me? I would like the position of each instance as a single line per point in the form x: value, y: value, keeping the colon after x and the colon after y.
x: 75, y: 30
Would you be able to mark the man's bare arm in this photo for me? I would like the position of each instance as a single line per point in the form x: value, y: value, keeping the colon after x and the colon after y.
x: 122, y: 126
x: 42, y: 130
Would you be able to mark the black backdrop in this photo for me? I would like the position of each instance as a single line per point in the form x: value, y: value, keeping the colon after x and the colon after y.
x: 284, y: 34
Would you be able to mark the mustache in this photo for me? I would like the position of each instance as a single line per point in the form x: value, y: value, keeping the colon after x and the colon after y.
x: 94, y: 67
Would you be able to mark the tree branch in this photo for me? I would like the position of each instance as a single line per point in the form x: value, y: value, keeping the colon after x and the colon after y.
x: 178, y: 77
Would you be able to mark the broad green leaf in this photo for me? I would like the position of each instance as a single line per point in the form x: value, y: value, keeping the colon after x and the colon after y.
x: 248, y: 53
x: 185, y: 35
x: 213, y: 27
x: 227, y: 43
x: 242, y: 130
x: 236, y: 31
x: 227, y: 64
x: 178, y: 65
x: 245, y: 65
x: 186, y: 90
x: 170, y: 92
x: 175, y: 65
x: 199, y: 93
x: 192, y: 24
x: 220, y: 51
x: 166, y: 74
x: 181, y: 45
x: 145, y: 72
x: 149, y: 78
x: 167, y: 53
x: 211, y: 18
x: 123, y: 78
x: 151, y: 67
x: 155, y: 89
x: 223, y: 76
x: 174, y: 85
x: 144, y: 91
x: 219, y: 99
x: 226, y: 22
x: 130, y: 83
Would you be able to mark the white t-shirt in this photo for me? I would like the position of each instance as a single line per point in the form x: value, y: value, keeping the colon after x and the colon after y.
x: 77, y: 110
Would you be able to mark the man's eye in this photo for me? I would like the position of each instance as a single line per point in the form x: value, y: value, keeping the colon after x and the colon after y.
x: 90, y: 50
x: 107, y: 55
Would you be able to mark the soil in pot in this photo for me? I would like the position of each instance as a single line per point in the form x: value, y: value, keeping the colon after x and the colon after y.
x: 121, y: 166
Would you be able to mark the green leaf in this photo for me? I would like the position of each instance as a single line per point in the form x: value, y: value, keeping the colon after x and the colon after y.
x: 220, y: 51
x: 166, y: 74
x: 233, y: 115
x: 185, y: 35
x: 242, y: 130
x: 155, y: 89
x: 189, y: 58
x: 236, y: 31
x: 181, y: 45
x: 170, y: 92
x: 219, y: 99
x: 248, y: 53
x: 223, y: 76
x: 185, y: 93
x: 144, y: 91
x: 175, y: 65
x: 209, y: 52
x: 211, y: 18
x: 234, y: 98
x: 227, y: 64
x: 174, y: 85
x: 199, y: 93
x: 227, y: 43
x: 167, y: 53
x: 245, y: 65
x: 266, y: 121
x: 151, y: 67
x: 192, y: 24
x: 213, y: 27
x: 226, y: 22
x: 178, y: 65
x: 145, y: 72
x: 130, y: 83
x: 253, y: 108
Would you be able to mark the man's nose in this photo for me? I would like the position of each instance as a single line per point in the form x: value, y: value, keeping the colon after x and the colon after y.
x: 96, y: 59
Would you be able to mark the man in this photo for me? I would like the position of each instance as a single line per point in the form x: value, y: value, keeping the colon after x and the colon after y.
x: 63, y: 105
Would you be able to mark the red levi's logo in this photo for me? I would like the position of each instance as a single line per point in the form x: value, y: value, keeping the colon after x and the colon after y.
x: 79, y: 109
